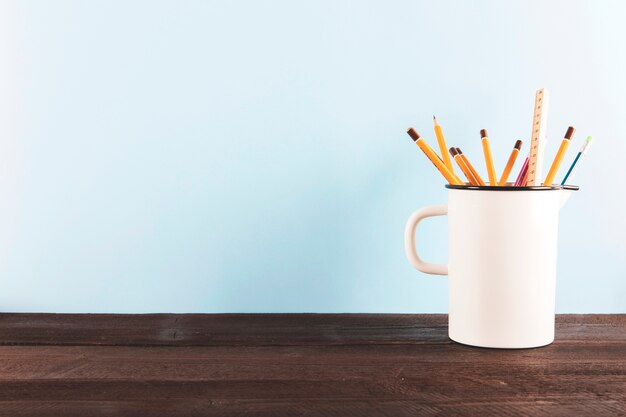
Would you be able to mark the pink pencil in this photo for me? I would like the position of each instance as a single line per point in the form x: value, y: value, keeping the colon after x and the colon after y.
x: 520, y: 181
x: 525, y: 179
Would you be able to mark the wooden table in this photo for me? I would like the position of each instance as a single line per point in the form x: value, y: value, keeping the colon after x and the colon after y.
x: 301, y: 365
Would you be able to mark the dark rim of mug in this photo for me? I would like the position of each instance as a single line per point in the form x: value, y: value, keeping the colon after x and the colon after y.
x: 513, y: 188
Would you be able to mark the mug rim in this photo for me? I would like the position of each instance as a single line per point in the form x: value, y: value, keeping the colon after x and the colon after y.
x: 513, y: 188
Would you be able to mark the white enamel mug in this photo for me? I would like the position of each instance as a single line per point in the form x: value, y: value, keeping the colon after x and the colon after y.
x: 502, y: 245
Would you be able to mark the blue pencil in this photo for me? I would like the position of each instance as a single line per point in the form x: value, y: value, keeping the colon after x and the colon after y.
x: 583, y: 150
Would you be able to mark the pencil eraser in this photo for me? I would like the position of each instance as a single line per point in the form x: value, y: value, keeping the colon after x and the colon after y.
x: 413, y: 134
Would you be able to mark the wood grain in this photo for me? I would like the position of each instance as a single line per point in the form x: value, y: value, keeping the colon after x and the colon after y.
x: 301, y: 365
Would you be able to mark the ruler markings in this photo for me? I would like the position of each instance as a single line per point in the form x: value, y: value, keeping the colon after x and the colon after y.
x: 538, y: 137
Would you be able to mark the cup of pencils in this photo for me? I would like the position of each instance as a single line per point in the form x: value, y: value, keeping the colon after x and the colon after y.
x: 502, y: 239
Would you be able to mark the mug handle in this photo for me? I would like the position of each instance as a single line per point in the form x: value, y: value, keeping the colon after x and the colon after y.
x: 409, y: 240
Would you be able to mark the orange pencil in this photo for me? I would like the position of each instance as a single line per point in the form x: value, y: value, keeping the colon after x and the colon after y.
x: 491, y: 170
x: 510, y: 163
x: 442, y: 145
x: 457, y: 158
x: 453, y: 174
x: 559, y: 156
x: 434, y: 158
x: 471, y: 167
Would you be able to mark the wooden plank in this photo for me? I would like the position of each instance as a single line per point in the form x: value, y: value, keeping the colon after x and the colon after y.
x: 313, y: 365
x: 262, y: 329
x: 419, y: 390
x: 198, y: 363
x: 219, y: 329
x: 310, y: 408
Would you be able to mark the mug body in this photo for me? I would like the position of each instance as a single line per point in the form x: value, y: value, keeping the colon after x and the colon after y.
x: 502, y: 266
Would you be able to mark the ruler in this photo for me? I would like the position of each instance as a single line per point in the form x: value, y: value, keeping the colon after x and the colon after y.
x: 538, y: 138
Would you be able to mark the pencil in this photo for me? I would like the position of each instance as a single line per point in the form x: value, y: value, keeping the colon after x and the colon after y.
x: 521, y: 177
x: 510, y: 163
x: 470, y: 167
x: 491, y: 171
x: 525, y: 178
x: 559, y: 156
x: 442, y: 145
x: 453, y: 174
x: 434, y: 158
x: 457, y: 158
x: 576, y: 162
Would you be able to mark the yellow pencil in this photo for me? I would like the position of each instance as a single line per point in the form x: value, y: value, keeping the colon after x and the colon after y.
x: 453, y: 174
x: 471, y: 167
x: 442, y: 145
x: 510, y: 163
x: 559, y: 156
x: 434, y: 158
x: 457, y: 158
x: 491, y: 171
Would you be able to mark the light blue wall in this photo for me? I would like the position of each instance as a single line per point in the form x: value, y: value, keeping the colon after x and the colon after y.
x: 247, y: 156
